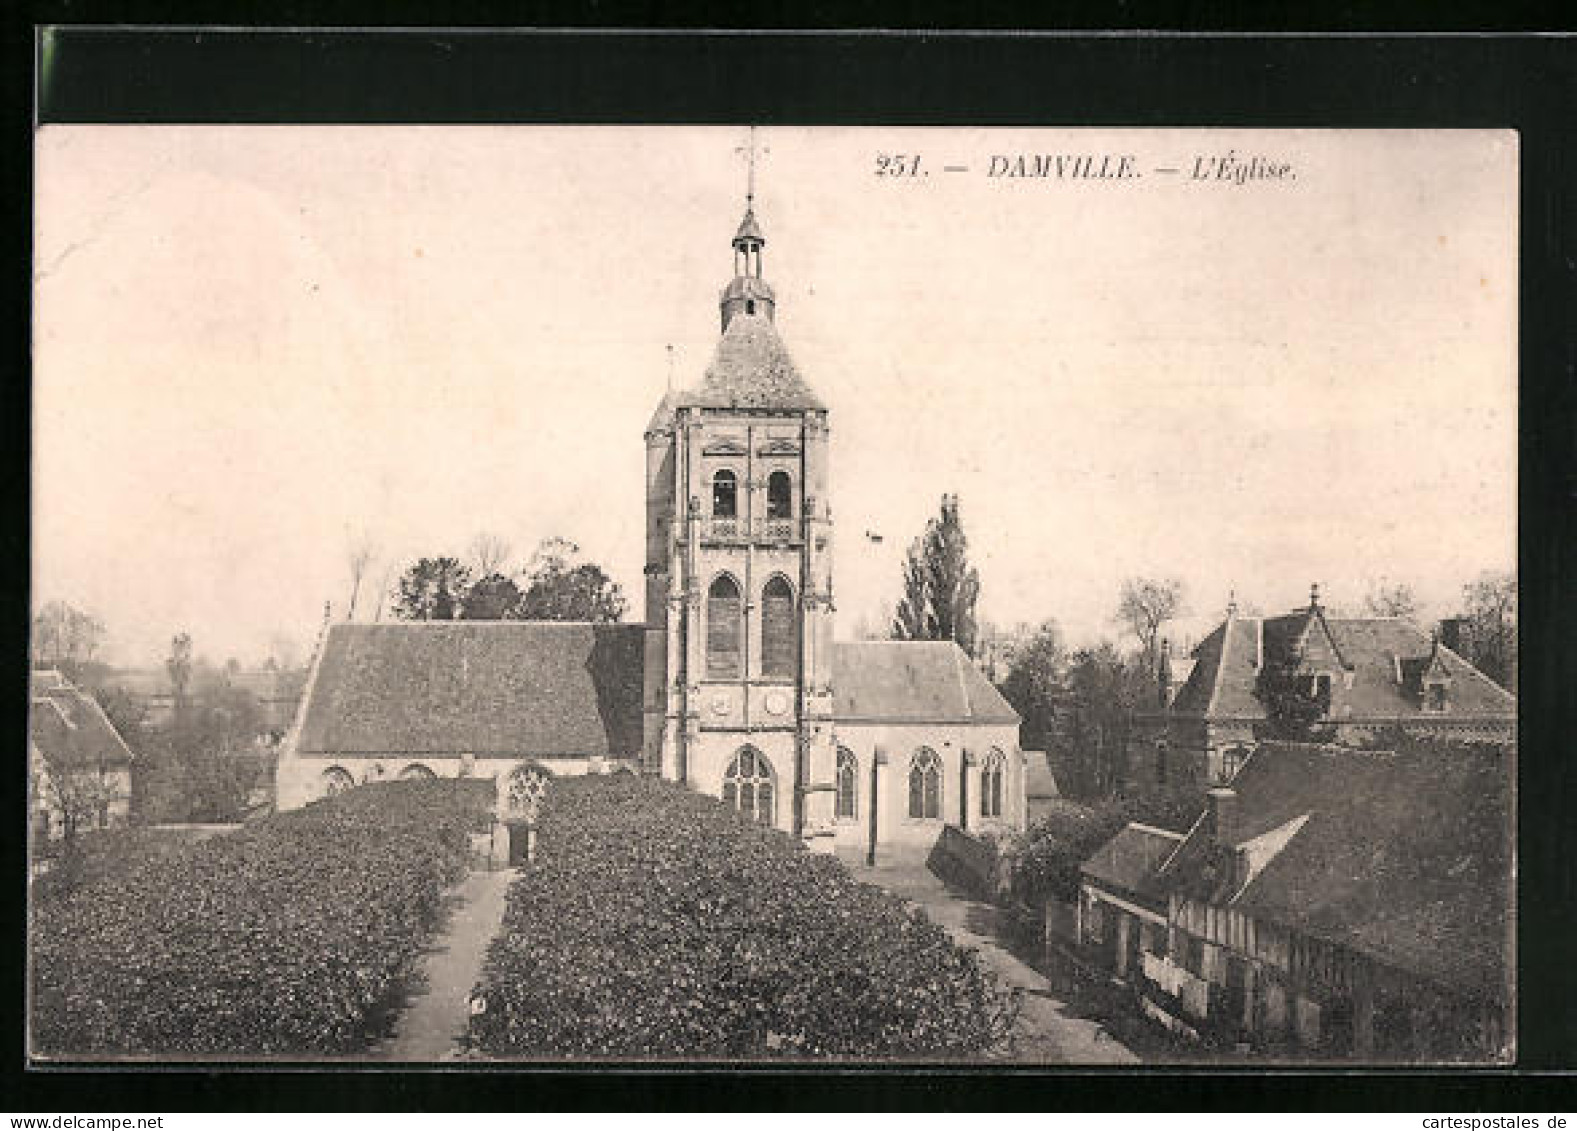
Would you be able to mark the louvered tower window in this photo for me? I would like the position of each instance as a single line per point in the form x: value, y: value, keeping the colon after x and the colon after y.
x: 723, y: 630
x: 779, y: 640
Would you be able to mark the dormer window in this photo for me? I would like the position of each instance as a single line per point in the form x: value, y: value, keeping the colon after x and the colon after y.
x: 750, y: 306
x: 1435, y: 697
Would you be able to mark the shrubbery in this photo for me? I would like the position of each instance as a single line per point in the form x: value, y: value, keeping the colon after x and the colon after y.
x: 287, y: 936
x: 1045, y: 860
x: 656, y: 922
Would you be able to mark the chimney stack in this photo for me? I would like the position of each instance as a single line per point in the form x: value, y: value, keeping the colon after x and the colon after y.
x: 1451, y: 633
x: 1223, y: 816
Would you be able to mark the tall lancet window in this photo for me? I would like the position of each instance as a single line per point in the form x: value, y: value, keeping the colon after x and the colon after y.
x: 724, y: 622
x: 991, y: 774
x: 780, y: 495
x: 848, y: 785
x: 925, y: 784
x: 779, y: 640
x: 725, y: 495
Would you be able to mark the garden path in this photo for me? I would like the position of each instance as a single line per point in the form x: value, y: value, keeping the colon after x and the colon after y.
x: 439, y: 1012
x: 1048, y: 1032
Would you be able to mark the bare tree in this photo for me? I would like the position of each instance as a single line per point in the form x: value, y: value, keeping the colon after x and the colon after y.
x: 1144, y: 607
x: 360, y: 550
x: 490, y: 553
x: 1397, y: 600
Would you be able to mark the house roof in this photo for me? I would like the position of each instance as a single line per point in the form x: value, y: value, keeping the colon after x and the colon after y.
x: 913, y: 681
x: 1383, y: 654
x: 751, y: 369
x: 1401, y: 855
x: 1130, y: 860
x: 1039, y: 778
x: 486, y: 688
x: 66, y: 723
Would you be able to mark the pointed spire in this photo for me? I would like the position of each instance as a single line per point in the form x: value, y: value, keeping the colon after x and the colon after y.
x: 1314, y: 596
x: 748, y: 293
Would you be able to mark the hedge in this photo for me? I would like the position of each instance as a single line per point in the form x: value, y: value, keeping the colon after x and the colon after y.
x: 287, y: 936
x: 657, y: 923
x: 1045, y: 860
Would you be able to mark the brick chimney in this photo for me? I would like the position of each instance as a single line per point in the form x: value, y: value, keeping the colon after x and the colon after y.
x: 1223, y: 816
x: 1451, y: 633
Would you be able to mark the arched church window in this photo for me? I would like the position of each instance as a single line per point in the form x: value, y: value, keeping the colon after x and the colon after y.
x: 780, y: 495
x: 991, y: 775
x: 748, y: 785
x: 724, y: 621
x: 336, y: 780
x: 416, y: 772
x: 725, y: 494
x: 925, y: 784
x: 779, y: 640
x: 848, y: 779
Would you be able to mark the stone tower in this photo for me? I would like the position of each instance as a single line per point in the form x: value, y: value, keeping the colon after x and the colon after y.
x: 738, y: 694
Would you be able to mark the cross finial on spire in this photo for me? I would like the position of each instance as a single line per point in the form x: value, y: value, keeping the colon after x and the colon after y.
x: 1314, y: 595
x: 748, y: 151
x: 1232, y: 602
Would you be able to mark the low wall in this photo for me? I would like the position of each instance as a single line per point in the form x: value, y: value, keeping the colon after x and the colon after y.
x: 968, y: 862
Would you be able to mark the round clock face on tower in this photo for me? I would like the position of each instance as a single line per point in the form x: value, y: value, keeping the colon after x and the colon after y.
x: 776, y: 702
x: 720, y: 704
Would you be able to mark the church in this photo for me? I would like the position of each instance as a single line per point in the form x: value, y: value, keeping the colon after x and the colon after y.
x: 735, y: 685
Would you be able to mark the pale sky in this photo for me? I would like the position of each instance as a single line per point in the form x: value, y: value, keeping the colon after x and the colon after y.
x: 250, y: 339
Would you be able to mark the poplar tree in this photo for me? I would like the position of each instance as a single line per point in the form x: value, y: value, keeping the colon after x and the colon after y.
x: 941, y: 588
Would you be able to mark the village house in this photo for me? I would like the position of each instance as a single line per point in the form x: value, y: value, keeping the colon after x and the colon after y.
x: 80, y: 767
x: 734, y: 685
x: 1334, y: 900
x: 1364, y: 678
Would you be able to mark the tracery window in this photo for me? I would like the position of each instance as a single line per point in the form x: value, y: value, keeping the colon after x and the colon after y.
x: 991, y: 773
x: 925, y: 784
x: 848, y: 779
x: 336, y: 780
x: 748, y: 785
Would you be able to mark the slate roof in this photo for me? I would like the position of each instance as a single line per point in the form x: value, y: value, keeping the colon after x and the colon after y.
x: 1130, y: 860
x: 1224, y: 677
x: 1040, y: 780
x: 65, y: 722
x: 1404, y: 856
x: 487, y: 688
x: 912, y: 681
x: 751, y: 369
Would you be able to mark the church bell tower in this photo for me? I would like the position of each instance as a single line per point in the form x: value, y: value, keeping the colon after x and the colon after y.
x: 738, y: 680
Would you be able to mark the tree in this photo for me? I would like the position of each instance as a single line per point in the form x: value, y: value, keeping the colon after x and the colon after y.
x: 360, y: 550
x: 1296, y: 703
x: 179, y: 667
x: 490, y: 554
x: 1396, y: 600
x: 1034, y: 683
x: 941, y: 588
x: 432, y: 589
x: 1144, y: 607
x: 65, y: 638
x: 1105, y: 689
x: 1490, y: 626
x: 495, y: 597
x: 560, y: 587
